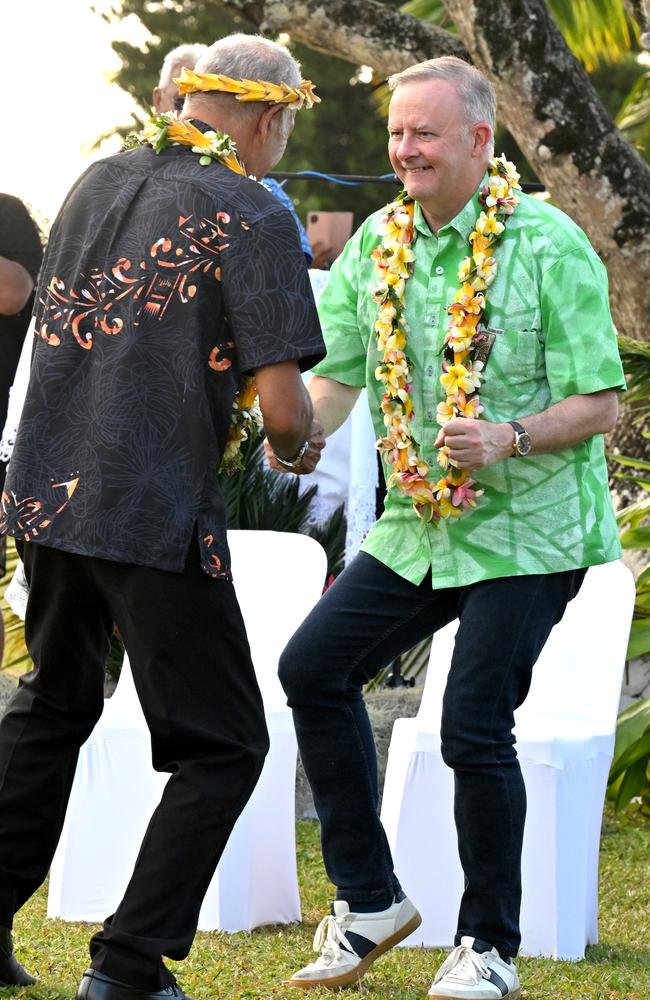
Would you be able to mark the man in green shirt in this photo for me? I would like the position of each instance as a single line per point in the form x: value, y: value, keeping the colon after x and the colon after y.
x: 491, y: 425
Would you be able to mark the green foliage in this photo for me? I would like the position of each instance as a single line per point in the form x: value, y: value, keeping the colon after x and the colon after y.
x: 596, y: 30
x: 634, y: 522
x: 433, y: 11
x: 633, y: 118
x: 629, y: 776
x: 635, y: 355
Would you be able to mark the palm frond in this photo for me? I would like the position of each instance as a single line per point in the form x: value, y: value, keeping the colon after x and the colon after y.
x: 635, y: 357
x: 428, y: 10
x: 597, y: 31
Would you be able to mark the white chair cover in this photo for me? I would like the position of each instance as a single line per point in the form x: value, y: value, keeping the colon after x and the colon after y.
x: 278, y: 579
x: 565, y: 738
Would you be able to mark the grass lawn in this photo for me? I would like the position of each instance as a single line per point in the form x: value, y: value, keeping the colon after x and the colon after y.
x: 255, y: 965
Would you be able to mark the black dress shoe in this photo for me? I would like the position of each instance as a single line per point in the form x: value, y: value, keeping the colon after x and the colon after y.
x: 11, y: 971
x: 98, y: 986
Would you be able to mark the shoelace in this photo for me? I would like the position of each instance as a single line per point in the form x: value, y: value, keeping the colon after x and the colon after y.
x: 466, y: 963
x: 329, y: 936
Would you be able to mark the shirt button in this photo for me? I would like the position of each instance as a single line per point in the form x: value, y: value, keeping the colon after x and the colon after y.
x: 430, y: 370
x: 434, y: 321
x: 440, y: 269
x: 430, y: 414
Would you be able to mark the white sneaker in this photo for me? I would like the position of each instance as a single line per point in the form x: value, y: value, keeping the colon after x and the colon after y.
x: 467, y: 975
x: 350, y: 942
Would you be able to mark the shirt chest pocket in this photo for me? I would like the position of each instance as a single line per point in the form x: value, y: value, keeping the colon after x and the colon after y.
x: 516, y: 354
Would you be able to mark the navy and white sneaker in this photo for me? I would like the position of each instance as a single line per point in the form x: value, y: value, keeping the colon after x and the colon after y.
x: 349, y: 943
x: 467, y: 974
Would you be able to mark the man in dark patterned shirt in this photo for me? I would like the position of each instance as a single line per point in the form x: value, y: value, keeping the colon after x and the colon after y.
x: 168, y: 279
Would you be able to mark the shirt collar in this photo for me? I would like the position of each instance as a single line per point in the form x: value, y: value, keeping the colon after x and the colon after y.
x: 463, y: 223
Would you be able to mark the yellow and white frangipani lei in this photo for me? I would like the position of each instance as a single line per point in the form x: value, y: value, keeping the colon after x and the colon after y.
x: 452, y: 494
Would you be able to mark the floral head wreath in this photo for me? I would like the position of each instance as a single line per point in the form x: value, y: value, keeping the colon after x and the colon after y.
x: 303, y: 96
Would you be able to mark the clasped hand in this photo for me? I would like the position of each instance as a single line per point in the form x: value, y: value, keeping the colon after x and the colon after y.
x: 311, y: 457
x: 475, y: 443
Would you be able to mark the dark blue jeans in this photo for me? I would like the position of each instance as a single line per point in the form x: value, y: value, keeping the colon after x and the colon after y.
x: 367, y: 618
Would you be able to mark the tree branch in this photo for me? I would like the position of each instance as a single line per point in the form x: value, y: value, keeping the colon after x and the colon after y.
x: 364, y: 33
x: 545, y: 99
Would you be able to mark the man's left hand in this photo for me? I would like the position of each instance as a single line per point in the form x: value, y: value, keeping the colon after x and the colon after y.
x: 475, y: 443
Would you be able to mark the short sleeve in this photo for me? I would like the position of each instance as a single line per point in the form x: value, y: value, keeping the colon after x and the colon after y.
x: 19, y: 238
x: 268, y: 297
x: 579, y: 337
x: 337, y: 308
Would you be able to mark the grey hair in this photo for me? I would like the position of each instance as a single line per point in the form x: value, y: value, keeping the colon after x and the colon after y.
x: 253, y: 57
x: 186, y: 55
x: 475, y: 91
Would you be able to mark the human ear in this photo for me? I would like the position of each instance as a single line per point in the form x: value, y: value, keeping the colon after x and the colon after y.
x: 266, y: 121
x: 482, y: 137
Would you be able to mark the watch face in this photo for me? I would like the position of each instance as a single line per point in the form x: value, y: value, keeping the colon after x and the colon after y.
x: 524, y: 444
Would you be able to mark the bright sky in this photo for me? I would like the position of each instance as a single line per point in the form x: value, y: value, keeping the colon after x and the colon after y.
x: 55, y: 56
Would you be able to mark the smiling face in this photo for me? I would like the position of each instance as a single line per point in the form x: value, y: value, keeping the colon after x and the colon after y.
x: 438, y: 154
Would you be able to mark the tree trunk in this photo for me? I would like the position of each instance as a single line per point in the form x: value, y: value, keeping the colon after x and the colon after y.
x: 546, y: 100
x: 640, y: 11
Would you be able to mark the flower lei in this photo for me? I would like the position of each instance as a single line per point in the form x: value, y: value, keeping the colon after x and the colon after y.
x: 190, y: 82
x: 453, y: 493
x: 214, y: 146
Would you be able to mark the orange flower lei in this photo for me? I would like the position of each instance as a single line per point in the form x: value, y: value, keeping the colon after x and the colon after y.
x: 453, y: 493
x: 213, y: 146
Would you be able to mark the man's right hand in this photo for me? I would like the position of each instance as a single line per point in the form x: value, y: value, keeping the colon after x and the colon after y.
x: 311, y: 458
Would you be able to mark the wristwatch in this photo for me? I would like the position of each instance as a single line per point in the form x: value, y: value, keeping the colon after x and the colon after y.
x: 522, y: 443
x: 296, y: 461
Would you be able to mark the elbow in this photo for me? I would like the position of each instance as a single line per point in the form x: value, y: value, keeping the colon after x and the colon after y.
x: 609, y: 415
x: 16, y: 286
x: 13, y: 300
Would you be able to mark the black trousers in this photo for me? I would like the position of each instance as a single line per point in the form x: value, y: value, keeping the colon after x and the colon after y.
x: 362, y: 623
x: 193, y: 672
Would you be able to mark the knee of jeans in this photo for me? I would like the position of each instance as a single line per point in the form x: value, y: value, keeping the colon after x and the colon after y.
x: 455, y: 751
x: 299, y: 673
x: 463, y: 747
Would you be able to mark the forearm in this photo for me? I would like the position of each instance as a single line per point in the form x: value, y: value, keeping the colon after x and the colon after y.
x: 15, y: 287
x: 286, y: 407
x: 572, y: 421
x: 477, y: 443
x: 333, y: 402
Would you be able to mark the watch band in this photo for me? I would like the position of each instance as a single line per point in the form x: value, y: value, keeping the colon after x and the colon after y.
x: 519, y: 430
x: 293, y: 463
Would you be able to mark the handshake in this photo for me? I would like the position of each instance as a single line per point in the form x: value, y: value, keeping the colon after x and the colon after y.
x: 307, y: 458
